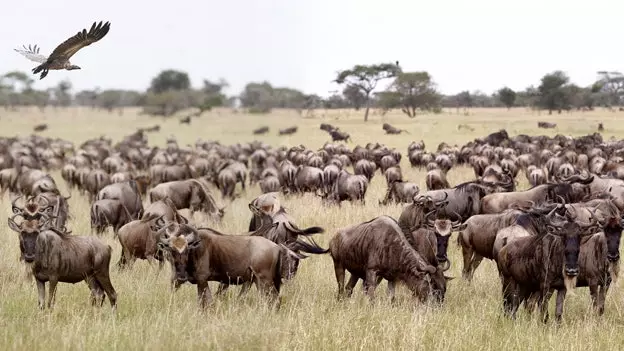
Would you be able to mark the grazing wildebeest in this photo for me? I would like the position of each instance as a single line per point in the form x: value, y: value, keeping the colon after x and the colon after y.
x: 127, y: 193
x: 436, y: 180
x: 539, y: 264
x: 348, y: 186
x: 546, y: 125
x: 109, y: 212
x: 288, y: 131
x: 431, y: 240
x: 185, y: 120
x: 392, y: 130
x: 198, y: 256
x: 261, y: 130
x: 378, y: 248
x: 400, y: 192
x: 189, y: 193
x: 55, y: 256
x: 338, y: 135
x: 40, y: 127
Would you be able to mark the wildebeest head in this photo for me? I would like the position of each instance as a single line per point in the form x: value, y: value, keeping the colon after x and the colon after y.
x: 443, y: 227
x: 28, y: 231
x: 571, y: 232
x: 178, y: 241
x: 34, y: 207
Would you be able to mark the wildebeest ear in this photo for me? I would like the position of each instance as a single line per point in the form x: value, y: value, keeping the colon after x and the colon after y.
x: 14, y: 227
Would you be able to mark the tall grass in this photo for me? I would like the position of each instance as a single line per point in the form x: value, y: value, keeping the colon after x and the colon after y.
x: 150, y: 317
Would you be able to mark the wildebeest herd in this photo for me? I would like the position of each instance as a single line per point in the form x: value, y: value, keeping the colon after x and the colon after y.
x: 563, y: 232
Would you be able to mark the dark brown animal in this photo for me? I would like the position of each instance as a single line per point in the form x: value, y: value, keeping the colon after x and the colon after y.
x: 40, y: 127
x: 378, y: 248
x: 109, y: 212
x: 436, y: 180
x: 199, y: 256
x: 55, y: 256
x: 539, y: 264
x: 127, y: 193
x: 546, y: 125
x: 288, y: 131
x: 189, y: 193
x: 261, y: 130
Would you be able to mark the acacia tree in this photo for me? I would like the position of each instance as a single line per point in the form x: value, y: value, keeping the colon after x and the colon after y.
x: 553, y: 93
x: 366, y: 77
x: 507, y: 97
x: 611, y: 83
x: 355, y: 96
x: 414, y: 91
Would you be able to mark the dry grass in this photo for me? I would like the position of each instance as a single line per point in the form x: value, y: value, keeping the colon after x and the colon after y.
x: 149, y: 317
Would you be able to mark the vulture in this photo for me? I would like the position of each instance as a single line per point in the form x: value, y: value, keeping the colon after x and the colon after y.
x: 59, y: 58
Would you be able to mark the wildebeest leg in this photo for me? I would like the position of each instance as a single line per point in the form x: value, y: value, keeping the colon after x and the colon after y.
x: 204, y: 297
x: 391, y: 291
x: 467, y: 254
x: 244, y: 289
x: 530, y: 302
x: 52, y: 292
x: 602, y: 294
x: 543, y: 303
x: 353, y: 279
x: 222, y: 289
x: 97, y: 293
x: 508, y: 288
x: 339, y: 271
x: 593, y: 292
x: 103, y: 279
x: 561, y: 293
x: 475, y: 262
x: 41, y: 293
x: 369, y: 283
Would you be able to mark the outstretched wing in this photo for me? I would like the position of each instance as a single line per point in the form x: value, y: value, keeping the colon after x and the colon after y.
x: 70, y: 46
x: 32, y: 53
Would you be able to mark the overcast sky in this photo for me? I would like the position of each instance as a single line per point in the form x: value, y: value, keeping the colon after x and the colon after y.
x: 464, y: 44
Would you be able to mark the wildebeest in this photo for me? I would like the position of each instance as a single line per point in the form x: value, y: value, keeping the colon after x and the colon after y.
x: 261, y: 130
x: 198, y: 256
x: 55, y: 256
x: 392, y: 130
x: 348, y: 186
x: 338, y: 135
x: 109, y: 212
x: 127, y: 193
x: 477, y: 235
x: 40, y: 127
x: 189, y: 193
x: 378, y: 249
x: 546, y: 125
x: 400, y: 192
x: 538, y: 264
x: 185, y: 120
x: 436, y: 180
x: 288, y: 131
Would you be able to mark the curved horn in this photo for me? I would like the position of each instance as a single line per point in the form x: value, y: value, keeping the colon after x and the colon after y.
x: 16, y: 209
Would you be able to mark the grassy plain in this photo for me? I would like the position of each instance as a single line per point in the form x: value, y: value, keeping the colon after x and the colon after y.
x: 150, y: 318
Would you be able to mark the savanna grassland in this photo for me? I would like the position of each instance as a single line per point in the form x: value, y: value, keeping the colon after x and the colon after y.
x: 149, y: 317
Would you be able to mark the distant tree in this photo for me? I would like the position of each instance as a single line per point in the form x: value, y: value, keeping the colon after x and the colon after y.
x: 507, y: 97
x: 62, y: 95
x: 552, y: 92
x: 257, y: 97
x: 465, y: 100
x: 170, y: 80
x: 354, y: 96
x: 366, y: 77
x: 87, y: 98
x: 214, y: 96
x: 413, y: 91
x: 611, y: 83
x: 17, y: 77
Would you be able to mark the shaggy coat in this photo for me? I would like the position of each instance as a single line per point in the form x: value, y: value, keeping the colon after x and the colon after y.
x: 189, y: 193
x: 378, y: 248
x: 57, y: 257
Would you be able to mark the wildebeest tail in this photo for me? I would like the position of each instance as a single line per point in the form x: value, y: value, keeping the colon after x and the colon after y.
x: 277, y: 273
x: 311, y: 248
x: 312, y: 230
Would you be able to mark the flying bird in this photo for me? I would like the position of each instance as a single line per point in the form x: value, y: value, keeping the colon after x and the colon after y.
x: 59, y: 58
